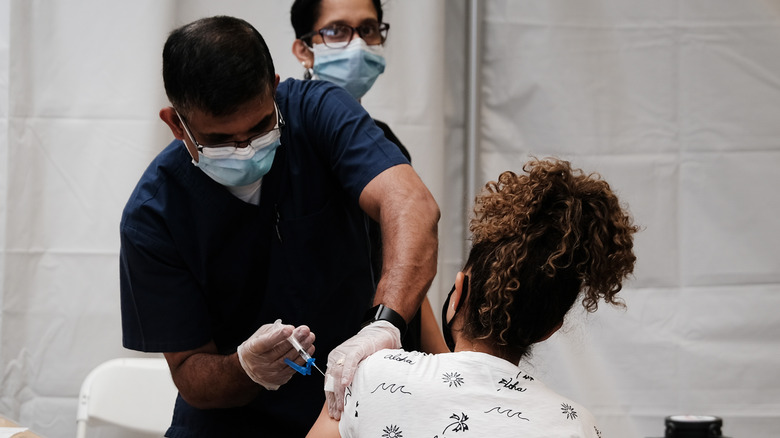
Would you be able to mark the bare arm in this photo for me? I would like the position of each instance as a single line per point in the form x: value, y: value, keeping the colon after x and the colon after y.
x: 431, y: 339
x: 324, y: 427
x: 408, y: 217
x: 207, y: 379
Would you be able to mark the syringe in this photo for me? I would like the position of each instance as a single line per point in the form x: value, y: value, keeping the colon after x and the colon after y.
x: 303, y: 353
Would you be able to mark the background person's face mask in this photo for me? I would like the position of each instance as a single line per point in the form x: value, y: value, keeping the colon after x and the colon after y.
x: 355, y: 67
x: 243, y: 166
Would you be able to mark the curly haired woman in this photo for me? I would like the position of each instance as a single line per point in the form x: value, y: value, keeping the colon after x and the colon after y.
x: 541, y: 241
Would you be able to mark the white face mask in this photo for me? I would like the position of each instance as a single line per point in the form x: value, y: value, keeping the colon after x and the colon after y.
x: 354, y: 67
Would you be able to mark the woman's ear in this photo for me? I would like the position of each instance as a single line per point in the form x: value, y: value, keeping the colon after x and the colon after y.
x: 457, y: 295
x: 303, y: 53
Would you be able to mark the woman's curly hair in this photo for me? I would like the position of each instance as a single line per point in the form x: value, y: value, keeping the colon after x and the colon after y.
x: 539, y: 240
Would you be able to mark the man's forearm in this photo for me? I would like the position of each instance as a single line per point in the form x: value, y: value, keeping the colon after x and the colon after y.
x: 405, y: 282
x: 408, y: 217
x: 208, y: 380
x: 410, y: 250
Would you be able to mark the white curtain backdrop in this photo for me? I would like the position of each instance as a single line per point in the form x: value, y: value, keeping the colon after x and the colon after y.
x: 675, y: 102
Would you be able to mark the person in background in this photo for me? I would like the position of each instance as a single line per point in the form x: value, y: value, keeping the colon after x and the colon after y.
x: 542, y: 241
x: 256, y: 213
x: 341, y: 41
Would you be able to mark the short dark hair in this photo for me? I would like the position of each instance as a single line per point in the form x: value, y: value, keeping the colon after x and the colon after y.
x: 539, y: 240
x: 304, y: 13
x: 215, y: 65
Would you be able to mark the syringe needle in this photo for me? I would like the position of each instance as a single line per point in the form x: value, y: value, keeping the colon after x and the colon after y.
x: 318, y: 369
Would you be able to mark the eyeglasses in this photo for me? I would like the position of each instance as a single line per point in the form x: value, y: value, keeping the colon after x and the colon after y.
x: 222, y: 150
x: 337, y: 36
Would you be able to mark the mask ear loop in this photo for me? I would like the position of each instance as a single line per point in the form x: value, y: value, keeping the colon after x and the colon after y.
x: 463, y: 295
x: 446, y: 325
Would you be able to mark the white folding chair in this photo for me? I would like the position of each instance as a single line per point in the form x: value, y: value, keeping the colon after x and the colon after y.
x: 137, y: 394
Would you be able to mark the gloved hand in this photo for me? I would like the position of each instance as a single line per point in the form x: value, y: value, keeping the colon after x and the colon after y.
x: 344, y: 359
x: 262, y: 355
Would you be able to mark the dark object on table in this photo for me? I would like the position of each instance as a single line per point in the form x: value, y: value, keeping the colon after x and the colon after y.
x: 693, y: 426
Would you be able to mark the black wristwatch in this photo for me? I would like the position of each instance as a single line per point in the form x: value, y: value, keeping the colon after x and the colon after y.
x: 384, y: 313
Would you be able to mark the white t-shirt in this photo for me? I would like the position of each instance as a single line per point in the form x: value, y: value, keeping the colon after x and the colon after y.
x: 399, y: 394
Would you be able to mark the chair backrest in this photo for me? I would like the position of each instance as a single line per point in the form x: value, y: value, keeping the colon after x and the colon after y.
x: 133, y: 393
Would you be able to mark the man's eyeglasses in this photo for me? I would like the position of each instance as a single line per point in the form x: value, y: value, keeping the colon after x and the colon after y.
x: 256, y: 142
x: 337, y: 36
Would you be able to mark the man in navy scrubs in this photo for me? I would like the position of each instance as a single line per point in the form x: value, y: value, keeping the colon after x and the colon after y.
x: 258, y: 212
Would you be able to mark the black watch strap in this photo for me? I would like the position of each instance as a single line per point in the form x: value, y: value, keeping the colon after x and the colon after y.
x: 384, y: 313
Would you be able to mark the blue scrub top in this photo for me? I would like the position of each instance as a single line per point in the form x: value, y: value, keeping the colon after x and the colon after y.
x: 198, y: 264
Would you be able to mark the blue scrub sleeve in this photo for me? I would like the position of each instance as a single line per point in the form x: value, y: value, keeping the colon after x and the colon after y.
x: 355, y: 148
